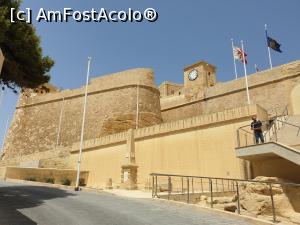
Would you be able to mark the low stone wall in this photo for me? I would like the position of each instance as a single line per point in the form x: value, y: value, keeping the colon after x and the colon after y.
x: 226, y: 116
x: 41, y: 175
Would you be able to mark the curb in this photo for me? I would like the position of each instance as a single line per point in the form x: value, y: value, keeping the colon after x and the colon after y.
x: 59, y: 186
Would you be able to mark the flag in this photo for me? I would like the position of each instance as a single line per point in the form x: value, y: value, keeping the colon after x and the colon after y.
x: 238, y: 54
x: 273, y: 44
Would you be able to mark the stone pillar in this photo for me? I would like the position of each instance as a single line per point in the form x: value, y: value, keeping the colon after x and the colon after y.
x: 129, y: 168
x: 1, y: 60
x: 129, y: 177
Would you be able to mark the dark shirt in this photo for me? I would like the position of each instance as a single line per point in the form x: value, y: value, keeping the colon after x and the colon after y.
x: 256, y: 126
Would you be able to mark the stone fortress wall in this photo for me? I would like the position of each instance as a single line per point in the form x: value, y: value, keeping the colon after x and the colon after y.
x: 111, y: 108
x: 270, y: 89
x: 198, y: 145
x: 176, y: 129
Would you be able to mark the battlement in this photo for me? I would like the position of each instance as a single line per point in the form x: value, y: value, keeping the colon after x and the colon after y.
x: 128, y: 78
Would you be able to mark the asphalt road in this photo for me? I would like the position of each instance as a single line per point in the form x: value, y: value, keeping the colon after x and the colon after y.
x: 22, y: 204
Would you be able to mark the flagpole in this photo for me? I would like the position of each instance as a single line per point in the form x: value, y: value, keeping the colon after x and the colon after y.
x: 59, y: 123
x: 270, y: 59
x: 137, y: 106
x: 256, y: 67
x: 234, y: 63
x: 82, y: 126
x: 245, y: 72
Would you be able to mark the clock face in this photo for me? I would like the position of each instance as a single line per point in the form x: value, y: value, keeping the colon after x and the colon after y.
x: 193, y: 75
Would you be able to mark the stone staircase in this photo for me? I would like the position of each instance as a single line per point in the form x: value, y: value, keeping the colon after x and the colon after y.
x: 290, y: 135
x: 282, y: 140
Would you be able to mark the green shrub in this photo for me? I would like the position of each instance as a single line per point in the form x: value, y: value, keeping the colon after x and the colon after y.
x: 66, y: 181
x: 30, y: 178
x: 49, y: 180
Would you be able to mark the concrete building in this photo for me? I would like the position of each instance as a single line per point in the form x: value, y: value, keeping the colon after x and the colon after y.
x: 134, y: 128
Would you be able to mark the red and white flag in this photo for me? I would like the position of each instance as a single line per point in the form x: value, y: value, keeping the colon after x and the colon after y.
x: 238, y: 54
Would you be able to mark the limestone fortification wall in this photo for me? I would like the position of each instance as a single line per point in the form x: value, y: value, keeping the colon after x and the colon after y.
x: 202, y: 145
x: 270, y: 89
x: 111, y: 108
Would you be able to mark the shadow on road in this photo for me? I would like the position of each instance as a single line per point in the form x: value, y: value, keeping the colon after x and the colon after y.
x: 16, y: 197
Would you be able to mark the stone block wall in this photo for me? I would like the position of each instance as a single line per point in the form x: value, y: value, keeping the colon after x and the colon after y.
x: 270, y: 88
x: 111, y: 108
x: 41, y: 175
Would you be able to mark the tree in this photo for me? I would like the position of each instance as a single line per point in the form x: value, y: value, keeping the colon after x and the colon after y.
x: 24, y: 65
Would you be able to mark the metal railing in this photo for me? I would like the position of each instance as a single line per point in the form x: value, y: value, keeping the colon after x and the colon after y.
x: 245, y: 135
x: 189, y: 189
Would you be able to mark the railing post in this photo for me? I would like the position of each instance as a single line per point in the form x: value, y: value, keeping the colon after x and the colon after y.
x: 152, y: 186
x: 169, y: 187
x: 275, y: 130
x: 211, y: 193
x: 228, y: 185
x: 192, y: 185
x: 222, y: 185
x: 182, y: 185
x: 188, y: 190
x: 238, y: 137
x: 246, y: 139
x: 201, y: 186
x: 273, y: 206
x: 238, y: 198
x: 156, y: 185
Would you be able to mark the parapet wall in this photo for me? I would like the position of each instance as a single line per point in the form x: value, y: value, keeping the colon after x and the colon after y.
x: 213, y: 119
x: 111, y: 108
x: 202, y: 145
x: 270, y: 89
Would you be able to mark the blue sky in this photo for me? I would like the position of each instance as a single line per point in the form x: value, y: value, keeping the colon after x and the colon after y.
x: 186, y: 32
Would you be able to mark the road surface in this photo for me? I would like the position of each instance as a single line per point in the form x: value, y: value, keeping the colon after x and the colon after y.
x: 22, y: 204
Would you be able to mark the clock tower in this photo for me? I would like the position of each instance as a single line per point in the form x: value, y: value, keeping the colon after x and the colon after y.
x: 198, y: 77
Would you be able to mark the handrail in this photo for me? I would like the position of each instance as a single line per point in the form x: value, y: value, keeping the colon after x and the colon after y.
x: 289, y: 123
x: 187, y: 194
x: 221, y: 178
x: 270, y: 134
x: 241, y: 128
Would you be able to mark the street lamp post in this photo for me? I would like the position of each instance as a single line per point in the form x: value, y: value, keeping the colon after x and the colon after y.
x: 82, y: 126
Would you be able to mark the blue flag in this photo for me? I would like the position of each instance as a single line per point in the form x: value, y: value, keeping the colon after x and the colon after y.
x: 273, y: 44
